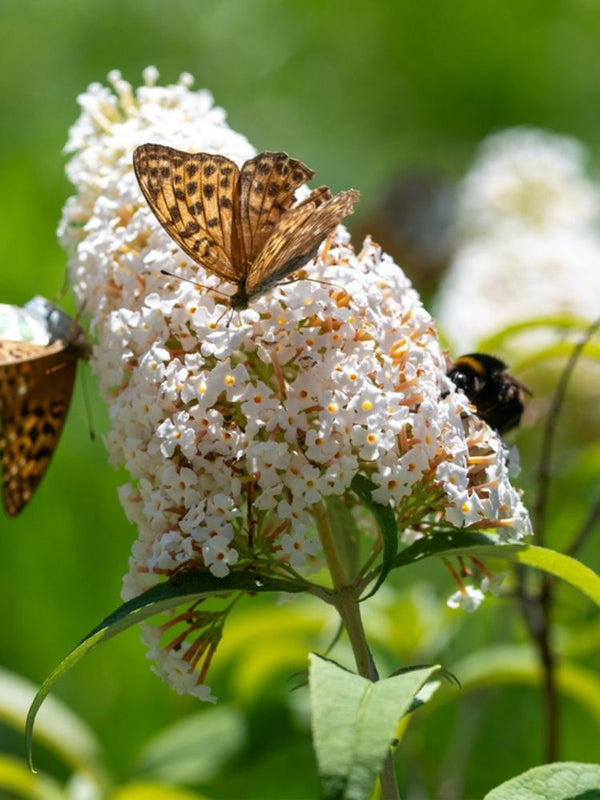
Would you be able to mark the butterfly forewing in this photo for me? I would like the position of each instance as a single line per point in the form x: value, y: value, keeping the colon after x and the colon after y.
x: 192, y: 196
x: 36, y: 384
x: 268, y: 183
x: 298, y: 237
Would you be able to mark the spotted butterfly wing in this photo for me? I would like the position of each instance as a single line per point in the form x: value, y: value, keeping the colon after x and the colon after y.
x: 267, y: 186
x: 37, y: 374
x: 239, y: 224
x: 192, y: 196
x: 298, y: 237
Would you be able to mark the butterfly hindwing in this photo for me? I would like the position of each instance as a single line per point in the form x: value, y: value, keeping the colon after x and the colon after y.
x: 268, y: 183
x: 298, y: 237
x: 192, y: 196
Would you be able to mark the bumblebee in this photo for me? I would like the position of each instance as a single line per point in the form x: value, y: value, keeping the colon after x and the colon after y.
x: 496, y: 395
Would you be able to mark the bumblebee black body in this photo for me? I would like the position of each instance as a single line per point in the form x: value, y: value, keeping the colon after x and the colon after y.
x: 496, y: 395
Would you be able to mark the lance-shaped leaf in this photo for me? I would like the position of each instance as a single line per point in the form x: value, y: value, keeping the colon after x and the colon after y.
x: 457, y: 542
x: 480, y: 545
x: 187, y: 587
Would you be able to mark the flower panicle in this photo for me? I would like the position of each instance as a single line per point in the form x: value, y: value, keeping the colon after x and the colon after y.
x: 234, y: 429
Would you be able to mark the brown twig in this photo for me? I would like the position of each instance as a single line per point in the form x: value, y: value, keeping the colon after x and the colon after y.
x: 587, y: 527
x: 537, y: 606
x: 544, y: 467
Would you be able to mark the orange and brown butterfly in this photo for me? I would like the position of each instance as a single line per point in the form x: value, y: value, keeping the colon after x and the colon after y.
x: 39, y: 349
x: 240, y: 224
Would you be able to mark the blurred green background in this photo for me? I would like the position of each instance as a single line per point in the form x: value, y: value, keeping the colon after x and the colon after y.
x: 361, y: 92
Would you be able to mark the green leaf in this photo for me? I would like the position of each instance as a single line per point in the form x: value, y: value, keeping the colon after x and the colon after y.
x: 560, y: 350
x: 569, y: 569
x: 481, y: 545
x: 61, y: 731
x: 503, y: 665
x: 568, y: 780
x: 354, y: 721
x: 458, y: 542
x: 188, y: 587
x: 194, y: 749
x: 17, y: 781
x: 564, y: 322
x: 386, y: 521
x: 579, y: 639
x: 155, y: 791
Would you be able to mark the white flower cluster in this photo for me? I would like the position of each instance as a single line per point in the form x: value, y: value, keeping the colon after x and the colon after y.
x: 101, y: 227
x: 528, y: 242
x: 529, y: 179
x: 233, y: 426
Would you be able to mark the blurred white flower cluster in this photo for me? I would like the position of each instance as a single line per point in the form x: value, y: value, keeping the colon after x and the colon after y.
x: 233, y: 426
x: 528, y: 242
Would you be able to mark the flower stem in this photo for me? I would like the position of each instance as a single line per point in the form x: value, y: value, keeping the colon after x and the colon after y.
x: 346, y: 599
x: 332, y: 556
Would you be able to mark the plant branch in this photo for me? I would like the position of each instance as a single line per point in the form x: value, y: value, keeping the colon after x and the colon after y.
x: 587, y: 527
x: 544, y: 467
x: 537, y: 609
x: 537, y: 606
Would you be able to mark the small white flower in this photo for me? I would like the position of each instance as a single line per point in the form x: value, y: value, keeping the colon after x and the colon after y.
x: 177, y: 433
x: 372, y: 442
x: 339, y: 473
x: 180, y: 484
x: 218, y: 556
x: 298, y: 547
x: 493, y: 582
x: 468, y: 598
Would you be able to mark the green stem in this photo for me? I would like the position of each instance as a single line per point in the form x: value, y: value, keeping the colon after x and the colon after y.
x: 347, y: 605
x: 346, y: 599
x: 337, y: 570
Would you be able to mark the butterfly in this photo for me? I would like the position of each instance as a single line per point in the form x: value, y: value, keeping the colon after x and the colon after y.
x: 239, y: 224
x: 39, y: 349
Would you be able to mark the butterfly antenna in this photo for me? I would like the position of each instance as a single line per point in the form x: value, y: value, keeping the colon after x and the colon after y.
x: 223, y: 314
x: 63, y: 289
x: 81, y: 309
x: 194, y: 283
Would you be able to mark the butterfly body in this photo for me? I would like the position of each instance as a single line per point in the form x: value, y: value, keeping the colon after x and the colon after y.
x: 240, y: 224
x: 37, y: 374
